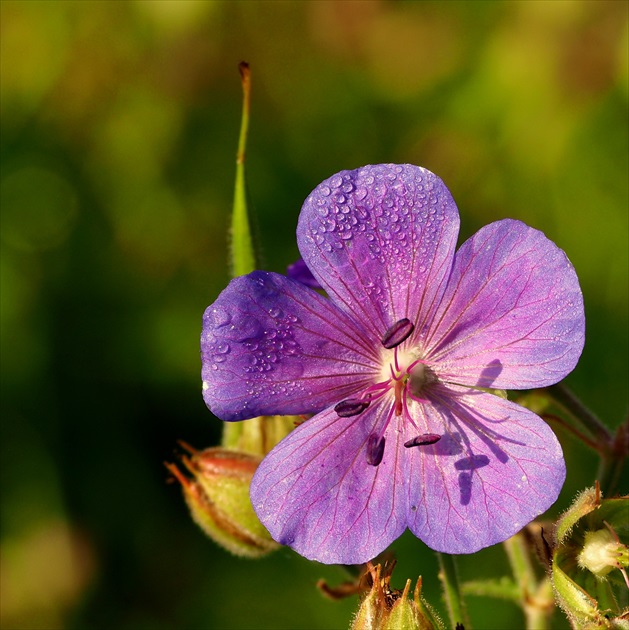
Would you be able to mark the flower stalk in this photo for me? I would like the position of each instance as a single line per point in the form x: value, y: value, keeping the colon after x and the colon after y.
x: 564, y: 397
x: 535, y: 597
x: 452, y: 594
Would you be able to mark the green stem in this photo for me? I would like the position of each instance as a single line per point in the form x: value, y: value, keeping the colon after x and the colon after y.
x: 452, y: 594
x: 534, y: 599
x: 520, y: 561
x: 609, y: 473
x: 551, y: 417
x: 539, y: 612
x: 566, y: 399
x: 242, y: 253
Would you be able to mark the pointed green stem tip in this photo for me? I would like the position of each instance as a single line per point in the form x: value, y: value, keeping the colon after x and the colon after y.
x: 242, y: 255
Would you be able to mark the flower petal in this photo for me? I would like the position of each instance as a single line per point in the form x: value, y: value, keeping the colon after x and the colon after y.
x: 496, y: 468
x: 512, y: 315
x: 380, y: 240
x: 316, y: 492
x: 271, y: 345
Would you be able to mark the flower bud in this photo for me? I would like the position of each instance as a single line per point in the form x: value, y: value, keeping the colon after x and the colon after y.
x: 373, y: 605
x: 412, y: 614
x: 585, y: 550
x: 602, y: 552
x: 218, y: 498
x: 385, y: 609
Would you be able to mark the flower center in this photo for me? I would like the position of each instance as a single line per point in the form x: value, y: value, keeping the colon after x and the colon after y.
x: 405, y: 376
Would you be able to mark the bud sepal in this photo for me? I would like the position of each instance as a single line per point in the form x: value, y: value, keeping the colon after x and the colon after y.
x: 589, y: 561
x: 217, y: 495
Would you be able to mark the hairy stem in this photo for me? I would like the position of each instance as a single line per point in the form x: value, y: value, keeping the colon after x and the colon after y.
x: 452, y: 594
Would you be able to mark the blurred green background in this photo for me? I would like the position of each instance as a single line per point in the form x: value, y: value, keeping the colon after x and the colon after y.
x: 119, y: 125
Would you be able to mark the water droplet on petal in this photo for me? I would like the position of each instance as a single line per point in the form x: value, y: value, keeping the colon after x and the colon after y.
x: 220, y: 316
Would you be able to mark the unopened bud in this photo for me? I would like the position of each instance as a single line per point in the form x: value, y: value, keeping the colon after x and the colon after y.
x: 218, y: 497
x: 585, y: 538
x: 384, y: 608
x: 373, y: 605
x: 410, y: 614
x: 602, y: 552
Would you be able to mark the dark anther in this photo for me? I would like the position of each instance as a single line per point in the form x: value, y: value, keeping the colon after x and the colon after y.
x: 423, y: 440
x: 375, y: 449
x: 398, y: 333
x: 351, y: 407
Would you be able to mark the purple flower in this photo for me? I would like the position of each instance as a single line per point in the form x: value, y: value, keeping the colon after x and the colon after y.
x: 392, y: 365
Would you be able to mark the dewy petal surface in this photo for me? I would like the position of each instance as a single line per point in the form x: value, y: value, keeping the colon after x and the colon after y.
x: 316, y: 492
x: 512, y: 316
x: 380, y: 240
x: 271, y: 345
x: 496, y: 467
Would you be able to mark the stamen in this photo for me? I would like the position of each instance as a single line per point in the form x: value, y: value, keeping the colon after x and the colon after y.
x: 351, y: 407
x: 396, y: 334
x: 407, y: 411
x: 393, y: 374
x: 423, y: 440
x: 375, y: 449
x: 409, y: 369
x: 419, y: 400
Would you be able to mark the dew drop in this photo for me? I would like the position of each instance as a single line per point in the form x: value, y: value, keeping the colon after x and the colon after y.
x: 221, y: 317
x: 325, y: 190
x: 222, y: 348
x: 360, y: 193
